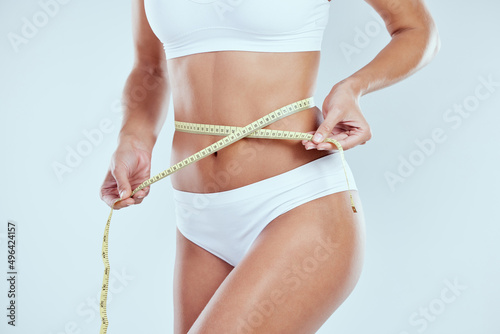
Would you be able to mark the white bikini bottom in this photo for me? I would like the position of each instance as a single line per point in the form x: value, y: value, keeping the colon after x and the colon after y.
x: 227, y: 223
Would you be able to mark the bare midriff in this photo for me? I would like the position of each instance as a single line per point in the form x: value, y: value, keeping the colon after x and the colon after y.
x: 236, y: 88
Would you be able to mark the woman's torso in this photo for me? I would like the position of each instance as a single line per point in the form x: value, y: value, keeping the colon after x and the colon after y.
x: 236, y: 88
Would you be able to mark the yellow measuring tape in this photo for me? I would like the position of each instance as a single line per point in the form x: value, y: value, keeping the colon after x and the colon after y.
x: 231, y: 134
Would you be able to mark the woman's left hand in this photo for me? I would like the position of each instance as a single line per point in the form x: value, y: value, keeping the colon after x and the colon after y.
x: 343, y: 121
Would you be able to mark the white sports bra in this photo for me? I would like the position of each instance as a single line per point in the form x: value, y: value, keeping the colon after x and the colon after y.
x: 194, y: 26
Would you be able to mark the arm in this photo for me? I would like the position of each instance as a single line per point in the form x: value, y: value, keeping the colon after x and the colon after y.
x: 146, y: 91
x: 414, y: 43
x: 145, y: 96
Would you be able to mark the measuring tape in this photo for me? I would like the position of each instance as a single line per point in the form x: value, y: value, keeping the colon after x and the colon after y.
x: 231, y: 134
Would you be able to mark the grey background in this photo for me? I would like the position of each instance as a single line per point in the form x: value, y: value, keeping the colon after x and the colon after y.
x: 438, y: 226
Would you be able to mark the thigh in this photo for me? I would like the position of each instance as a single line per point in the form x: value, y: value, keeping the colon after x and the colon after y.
x: 197, y: 275
x: 300, y: 269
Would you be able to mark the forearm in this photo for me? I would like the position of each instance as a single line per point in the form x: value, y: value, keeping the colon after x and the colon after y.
x: 407, y: 52
x: 145, y: 97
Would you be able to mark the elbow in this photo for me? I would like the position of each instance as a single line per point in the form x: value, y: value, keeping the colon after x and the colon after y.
x: 432, y: 42
x: 153, y: 66
x: 156, y: 70
x: 429, y: 44
x: 424, y: 39
x: 146, y: 78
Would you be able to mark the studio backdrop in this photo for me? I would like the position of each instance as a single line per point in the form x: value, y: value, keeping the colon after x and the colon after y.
x: 428, y: 178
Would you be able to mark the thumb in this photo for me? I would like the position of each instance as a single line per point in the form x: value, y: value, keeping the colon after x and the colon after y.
x: 122, y: 183
x: 326, y: 128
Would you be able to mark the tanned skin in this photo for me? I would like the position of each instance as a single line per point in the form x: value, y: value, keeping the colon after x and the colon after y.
x: 210, y: 295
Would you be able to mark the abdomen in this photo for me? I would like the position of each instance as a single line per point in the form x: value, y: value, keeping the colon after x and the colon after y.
x: 236, y: 88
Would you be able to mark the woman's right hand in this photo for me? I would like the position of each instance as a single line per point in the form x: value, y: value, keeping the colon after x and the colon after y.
x: 130, y: 166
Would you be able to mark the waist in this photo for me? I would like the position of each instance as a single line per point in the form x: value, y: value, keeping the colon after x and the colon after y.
x: 246, y: 161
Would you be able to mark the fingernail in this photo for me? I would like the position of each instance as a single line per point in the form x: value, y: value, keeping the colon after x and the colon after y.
x: 309, y: 148
x: 318, y: 137
x: 122, y: 194
x: 321, y: 148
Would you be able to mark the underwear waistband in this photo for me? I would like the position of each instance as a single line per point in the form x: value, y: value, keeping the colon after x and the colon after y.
x: 328, y: 165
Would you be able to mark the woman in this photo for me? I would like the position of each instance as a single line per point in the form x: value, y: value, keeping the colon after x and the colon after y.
x: 266, y: 239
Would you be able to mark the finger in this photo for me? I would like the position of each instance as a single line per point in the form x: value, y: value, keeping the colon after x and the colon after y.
x: 140, y: 194
x: 327, y: 145
x: 351, y: 141
x: 123, y: 185
x: 310, y: 146
x: 304, y: 141
x: 108, y: 199
x: 123, y: 203
x: 146, y: 190
x: 138, y: 200
x: 104, y: 191
x: 108, y: 192
x: 325, y: 128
